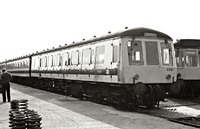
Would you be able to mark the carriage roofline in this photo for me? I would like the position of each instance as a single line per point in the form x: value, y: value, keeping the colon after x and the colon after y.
x: 187, y: 43
x: 135, y: 32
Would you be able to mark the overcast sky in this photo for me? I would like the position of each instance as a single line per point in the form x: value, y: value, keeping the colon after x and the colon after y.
x: 27, y: 26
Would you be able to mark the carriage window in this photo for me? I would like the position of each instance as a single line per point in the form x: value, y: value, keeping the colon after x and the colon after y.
x: 37, y: 63
x: 75, y: 57
x: 152, y: 53
x: 166, y: 53
x: 180, y: 58
x: 59, y: 59
x: 45, y: 61
x: 86, y: 56
x: 100, y: 53
x: 50, y: 61
x: 199, y: 57
x: 79, y: 57
x: 92, y: 56
x: 115, y: 53
x: 134, y: 52
x: 23, y: 64
x: 191, y: 58
x: 65, y: 59
x: 27, y: 64
x: 69, y: 59
x: 40, y: 62
x: 34, y: 65
x: 54, y: 60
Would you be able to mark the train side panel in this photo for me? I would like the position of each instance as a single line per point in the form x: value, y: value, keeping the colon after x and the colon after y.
x: 96, y: 62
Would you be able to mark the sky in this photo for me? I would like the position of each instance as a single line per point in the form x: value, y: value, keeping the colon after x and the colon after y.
x: 27, y: 26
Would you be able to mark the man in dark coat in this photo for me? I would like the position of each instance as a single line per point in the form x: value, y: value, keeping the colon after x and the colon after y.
x: 5, y: 81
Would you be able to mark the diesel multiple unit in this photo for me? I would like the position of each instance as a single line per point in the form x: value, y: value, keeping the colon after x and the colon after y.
x: 134, y: 67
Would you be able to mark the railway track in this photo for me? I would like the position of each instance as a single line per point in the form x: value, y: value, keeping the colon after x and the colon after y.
x: 179, y: 111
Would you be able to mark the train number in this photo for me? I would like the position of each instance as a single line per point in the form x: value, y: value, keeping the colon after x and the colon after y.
x: 170, y: 69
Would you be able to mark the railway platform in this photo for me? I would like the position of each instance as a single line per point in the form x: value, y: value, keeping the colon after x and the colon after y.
x: 53, y: 116
x: 61, y: 112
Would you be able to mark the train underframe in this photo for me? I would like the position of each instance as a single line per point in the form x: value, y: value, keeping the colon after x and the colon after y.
x: 185, y: 89
x: 127, y: 96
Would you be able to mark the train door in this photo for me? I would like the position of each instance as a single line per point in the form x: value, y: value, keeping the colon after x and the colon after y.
x: 115, y: 59
x: 103, y: 61
x: 65, y: 60
x: 86, y: 63
x: 75, y: 64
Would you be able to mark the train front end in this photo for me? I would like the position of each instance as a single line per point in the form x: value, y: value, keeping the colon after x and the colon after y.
x: 148, y: 64
x: 188, y: 67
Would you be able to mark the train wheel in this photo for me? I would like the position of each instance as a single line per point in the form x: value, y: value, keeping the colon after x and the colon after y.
x: 140, y: 88
x: 149, y: 98
x: 132, y: 101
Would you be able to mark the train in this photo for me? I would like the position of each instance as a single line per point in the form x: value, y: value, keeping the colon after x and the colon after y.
x: 130, y: 68
x: 188, y: 67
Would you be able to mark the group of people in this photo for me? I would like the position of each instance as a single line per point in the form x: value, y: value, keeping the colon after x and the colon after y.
x: 5, y: 84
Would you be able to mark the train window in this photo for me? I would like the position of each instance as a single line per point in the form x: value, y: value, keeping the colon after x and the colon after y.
x: 23, y: 64
x: 50, y: 61
x: 199, y: 57
x: 75, y: 57
x: 59, y: 59
x: 100, y: 53
x: 166, y: 51
x: 134, y: 52
x: 152, y: 53
x: 115, y: 53
x: 34, y: 63
x: 45, y: 61
x: 56, y: 60
x: 65, y: 58
x: 191, y: 58
x: 26, y: 64
x: 69, y: 59
x: 86, y: 56
x: 92, y: 56
x: 180, y: 58
x: 40, y: 62
x: 80, y: 57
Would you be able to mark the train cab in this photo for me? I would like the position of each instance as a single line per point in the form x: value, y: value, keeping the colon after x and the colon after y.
x: 149, y: 62
x: 188, y: 66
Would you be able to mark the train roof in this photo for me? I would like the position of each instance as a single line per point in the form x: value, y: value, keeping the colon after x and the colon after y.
x: 187, y: 43
x: 135, y: 32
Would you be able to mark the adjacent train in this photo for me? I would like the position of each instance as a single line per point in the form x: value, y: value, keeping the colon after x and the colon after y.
x: 188, y: 67
x: 133, y: 68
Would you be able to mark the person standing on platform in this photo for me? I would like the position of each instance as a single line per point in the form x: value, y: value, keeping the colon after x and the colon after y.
x: 5, y: 81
